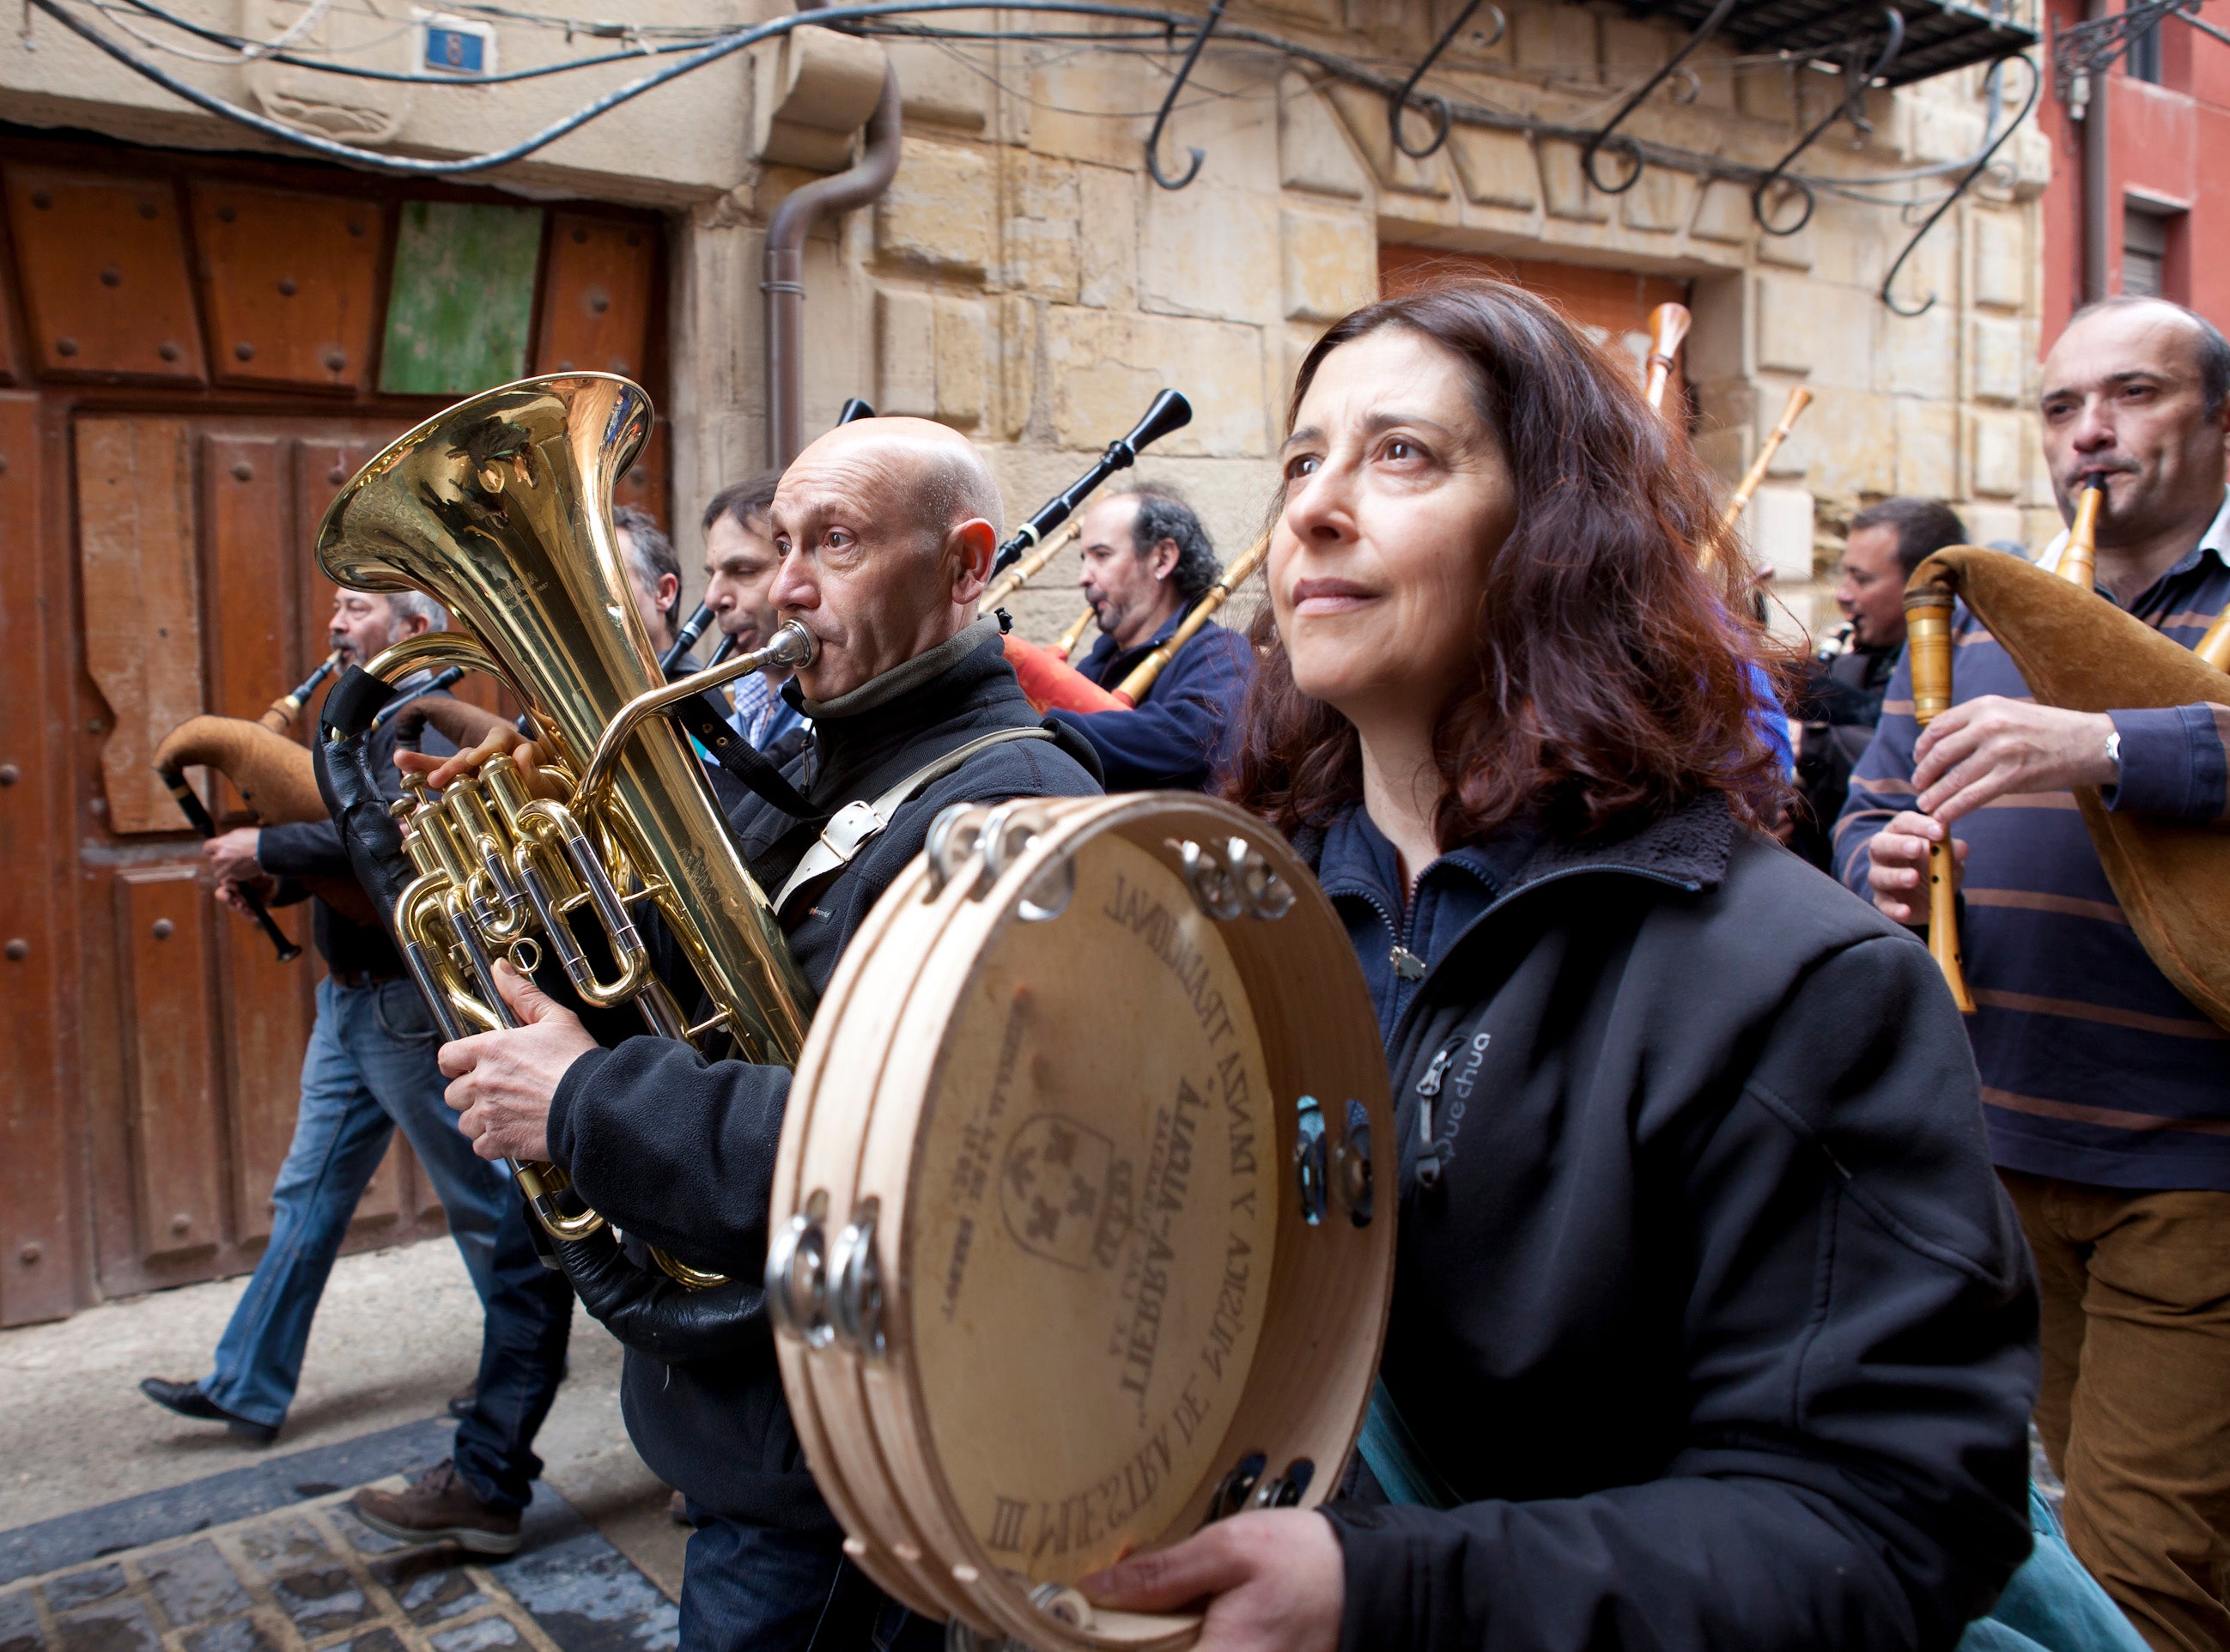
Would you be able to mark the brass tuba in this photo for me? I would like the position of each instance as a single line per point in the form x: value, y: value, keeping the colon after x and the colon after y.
x: 500, y: 508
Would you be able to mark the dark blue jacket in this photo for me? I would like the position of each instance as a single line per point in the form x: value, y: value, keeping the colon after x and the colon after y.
x: 1712, y: 1313
x: 1185, y: 730
x: 679, y: 1151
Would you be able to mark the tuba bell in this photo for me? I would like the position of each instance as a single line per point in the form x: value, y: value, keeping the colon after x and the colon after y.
x: 500, y: 508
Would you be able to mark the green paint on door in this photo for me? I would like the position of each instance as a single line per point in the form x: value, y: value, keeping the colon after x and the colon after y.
x: 462, y: 302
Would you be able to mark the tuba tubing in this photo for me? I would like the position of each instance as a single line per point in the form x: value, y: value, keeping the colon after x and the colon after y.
x: 1927, y: 646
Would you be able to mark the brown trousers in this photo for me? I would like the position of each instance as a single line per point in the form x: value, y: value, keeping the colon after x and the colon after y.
x: 2135, y: 1408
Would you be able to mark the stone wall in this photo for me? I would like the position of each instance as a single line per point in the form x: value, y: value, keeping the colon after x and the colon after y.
x: 1026, y: 281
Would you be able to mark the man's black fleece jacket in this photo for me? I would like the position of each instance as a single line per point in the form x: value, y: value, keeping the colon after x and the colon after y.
x: 680, y: 1152
x: 1715, y: 1318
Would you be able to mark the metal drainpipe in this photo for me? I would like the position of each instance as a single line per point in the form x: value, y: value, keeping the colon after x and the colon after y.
x: 784, y: 286
x: 2098, y: 214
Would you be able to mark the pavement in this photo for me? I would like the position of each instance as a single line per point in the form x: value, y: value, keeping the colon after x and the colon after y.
x: 124, y: 1529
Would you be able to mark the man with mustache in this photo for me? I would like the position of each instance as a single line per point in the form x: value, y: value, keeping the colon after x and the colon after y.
x: 885, y: 530
x: 1146, y: 560
x: 2106, y: 1092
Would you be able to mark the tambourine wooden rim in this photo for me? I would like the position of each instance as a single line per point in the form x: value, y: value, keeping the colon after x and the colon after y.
x: 903, y: 1021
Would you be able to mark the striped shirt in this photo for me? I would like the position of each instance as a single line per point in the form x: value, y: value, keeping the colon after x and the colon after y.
x: 762, y: 716
x: 2094, y: 1067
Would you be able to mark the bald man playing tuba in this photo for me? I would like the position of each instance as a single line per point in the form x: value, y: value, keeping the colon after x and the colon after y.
x: 886, y: 531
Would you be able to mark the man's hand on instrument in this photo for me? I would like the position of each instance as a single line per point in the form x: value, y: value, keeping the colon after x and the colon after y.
x: 1275, y: 1581
x: 503, y: 1081
x: 234, y: 892
x: 1993, y: 746
x: 231, y: 855
x: 1897, y: 873
x: 501, y: 740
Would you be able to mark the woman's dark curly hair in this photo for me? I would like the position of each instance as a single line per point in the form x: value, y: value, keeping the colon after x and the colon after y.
x: 1614, y: 679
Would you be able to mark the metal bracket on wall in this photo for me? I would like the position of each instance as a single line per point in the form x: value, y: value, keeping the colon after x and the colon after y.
x: 2087, y: 48
x: 1852, y: 107
x: 1398, y: 104
x: 1184, y: 73
x: 1965, y: 182
x: 1627, y: 146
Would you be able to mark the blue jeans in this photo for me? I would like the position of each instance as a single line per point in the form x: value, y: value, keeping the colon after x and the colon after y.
x: 747, y: 1588
x: 369, y: 1067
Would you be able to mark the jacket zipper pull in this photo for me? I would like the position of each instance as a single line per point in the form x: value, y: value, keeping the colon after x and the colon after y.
x: 1406, y: 964
x: 1428, y: 1087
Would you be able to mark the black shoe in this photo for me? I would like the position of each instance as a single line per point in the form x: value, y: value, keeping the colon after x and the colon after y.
x: 188, y: 1400
x: 461, y: 1402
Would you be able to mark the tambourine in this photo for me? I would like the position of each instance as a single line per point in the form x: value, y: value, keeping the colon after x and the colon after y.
x: 1084, y: 1211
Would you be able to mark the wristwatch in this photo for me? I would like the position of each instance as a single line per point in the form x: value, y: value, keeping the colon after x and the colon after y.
x: 2114, y: 754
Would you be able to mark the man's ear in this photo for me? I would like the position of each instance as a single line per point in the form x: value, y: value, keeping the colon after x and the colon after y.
x: 1163, y: 562
x: 969, y: 547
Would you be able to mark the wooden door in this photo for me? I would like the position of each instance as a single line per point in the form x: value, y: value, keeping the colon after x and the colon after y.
x: 192, y: 543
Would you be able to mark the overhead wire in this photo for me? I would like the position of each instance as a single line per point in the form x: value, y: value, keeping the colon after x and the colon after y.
x: 862, y: 17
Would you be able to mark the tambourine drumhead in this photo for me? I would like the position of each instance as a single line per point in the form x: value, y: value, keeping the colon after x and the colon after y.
x: 1087, y: 1244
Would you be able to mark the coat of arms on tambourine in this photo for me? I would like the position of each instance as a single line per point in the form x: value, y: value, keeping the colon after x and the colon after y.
x: 1065, y: 1192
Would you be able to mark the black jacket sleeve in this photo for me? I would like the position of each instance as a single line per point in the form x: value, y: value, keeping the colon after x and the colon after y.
x: 310, y: 849
x: 1859, y: 1339
x: 677, y: 1151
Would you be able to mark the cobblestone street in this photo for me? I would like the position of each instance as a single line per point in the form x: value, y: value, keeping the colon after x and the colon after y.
x: 215, y: 1546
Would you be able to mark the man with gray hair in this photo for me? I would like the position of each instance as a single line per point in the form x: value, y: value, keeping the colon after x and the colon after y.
x: 885, y: 530
x: 653, y: 573
x: 371, y: 1067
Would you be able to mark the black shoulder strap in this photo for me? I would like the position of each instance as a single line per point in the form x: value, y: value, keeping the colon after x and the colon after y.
x: 702, y: 717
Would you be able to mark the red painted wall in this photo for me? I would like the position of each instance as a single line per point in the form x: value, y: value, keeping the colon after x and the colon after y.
x: 2169, y: 142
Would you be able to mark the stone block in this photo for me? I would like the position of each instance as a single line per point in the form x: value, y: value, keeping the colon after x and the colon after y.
x: 905, y: 353
x: 1330, y: 263
x: 1634, y: 49
x: 1016, y: 350
x: 1659, y: 202
x: 2032, y: 153
x: 1938, y: 128
x: 947, y: 84
x: 1206, y: 251
x: 1496, y: 168
x: 1767, y: 91
x: 1919, y: 354
x: 938, y: 211
x: 1927, y: 448
x: 1102, y: 368
x: 810, y: 92
x: 1846, y: 442
x: 1314, y: 151
x: 1988, y: 522
x: 1997, y: 455
x: 1363, y: 113
x: 1723, y: 213
x: 1799, y: 251
x: 1556, y: 37
x: 1785, y: 326
x: 1776, y: 529
x: 1039, y: 250
x: 962, y: 343
x: 1994, y: 349
x: 1107, y: 259
x: 1565, y: 186
x: 1084, y: 106
x: 2001, y: 262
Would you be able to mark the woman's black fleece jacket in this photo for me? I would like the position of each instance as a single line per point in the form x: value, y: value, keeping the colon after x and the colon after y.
x: 1715, y: 1317
x: 680, y: 1152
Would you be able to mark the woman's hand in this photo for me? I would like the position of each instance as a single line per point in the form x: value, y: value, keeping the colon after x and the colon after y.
x: 1274, y: 1582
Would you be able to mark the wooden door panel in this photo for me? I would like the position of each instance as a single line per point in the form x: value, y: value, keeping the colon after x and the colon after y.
x: 142, y: 589
x: 251, y: 643
x: 38, y: 1259
x: 267, y: 1027
x: 102, y: 259
x: 322, y: 467
x: 597, y: 296
x: 163, y: 948
x: 290, y: 280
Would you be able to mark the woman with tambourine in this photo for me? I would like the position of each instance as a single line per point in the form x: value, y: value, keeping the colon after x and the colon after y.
x: 1711, y: 1327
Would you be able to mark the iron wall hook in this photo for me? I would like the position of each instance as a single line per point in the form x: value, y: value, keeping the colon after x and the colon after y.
x: 1854, y: 93
x: 1184, y: 73
x: 2035, y: 85
x: 1627, y: 146
x: 1398, y: 104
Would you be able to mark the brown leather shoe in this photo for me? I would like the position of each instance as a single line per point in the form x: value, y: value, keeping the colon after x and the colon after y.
x: 438, y: 1505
